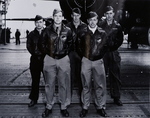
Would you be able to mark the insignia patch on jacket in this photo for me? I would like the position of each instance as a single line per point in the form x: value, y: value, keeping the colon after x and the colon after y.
x: 99, y: 40
x: 63, y: 37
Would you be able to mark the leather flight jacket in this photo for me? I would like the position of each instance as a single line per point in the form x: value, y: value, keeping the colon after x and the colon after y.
x: 32, y: 44
x: 92, y: 46
x: 75, y: 32
x: 114, y: 34
x: 56, y: 45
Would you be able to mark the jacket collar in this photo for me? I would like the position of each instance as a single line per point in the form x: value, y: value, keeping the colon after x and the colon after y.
x: 35, y: 30
x: 51, y: 27
x: 113, y: 23
x: 81, y: 23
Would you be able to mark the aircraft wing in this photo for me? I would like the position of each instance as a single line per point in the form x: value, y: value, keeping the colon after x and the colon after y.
x: 20, y: 19
x: 50, y: 0
x: 25, y: 19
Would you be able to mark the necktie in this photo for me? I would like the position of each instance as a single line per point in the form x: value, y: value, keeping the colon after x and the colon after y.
x: 57, y: 30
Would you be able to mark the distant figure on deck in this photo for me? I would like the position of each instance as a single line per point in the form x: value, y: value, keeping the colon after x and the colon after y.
x: 8, y: 32
x: 17, y: 36
x: 27, y: 33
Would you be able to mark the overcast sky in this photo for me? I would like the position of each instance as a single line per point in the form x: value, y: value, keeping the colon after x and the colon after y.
x: 28, y: 9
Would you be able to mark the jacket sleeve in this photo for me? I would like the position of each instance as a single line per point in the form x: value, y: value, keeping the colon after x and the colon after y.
x: 80, y: 40
x: 73, y: 37
x: 70, y: 42
x: 43, y: 42
x: 115, y: 38
x: 29, y: 44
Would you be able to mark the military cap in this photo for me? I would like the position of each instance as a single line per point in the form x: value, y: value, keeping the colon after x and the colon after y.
x: 109, y: 8
x: 57, y: 11
x: 38, y: 17
x: 92, y: 14
x: 76, y: 10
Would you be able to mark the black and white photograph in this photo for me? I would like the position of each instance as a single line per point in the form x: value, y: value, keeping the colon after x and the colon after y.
x: 74, y: 58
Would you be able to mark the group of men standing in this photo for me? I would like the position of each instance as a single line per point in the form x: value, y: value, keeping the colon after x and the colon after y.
x: 75, y: 54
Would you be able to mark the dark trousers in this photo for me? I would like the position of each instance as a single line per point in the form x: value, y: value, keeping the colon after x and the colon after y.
x: 36, y: 67
x: 17, y: 40
x: 75, y: 63
x: 112, y: 68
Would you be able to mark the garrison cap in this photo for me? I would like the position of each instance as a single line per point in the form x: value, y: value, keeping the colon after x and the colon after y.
x: 109, y: 8
x: 57, y: 11
x: 92, y: 14
x: 76, y: 10
x: 38, y: 17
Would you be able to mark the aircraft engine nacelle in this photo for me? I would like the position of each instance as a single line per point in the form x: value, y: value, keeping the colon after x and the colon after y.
x: 139, y: 35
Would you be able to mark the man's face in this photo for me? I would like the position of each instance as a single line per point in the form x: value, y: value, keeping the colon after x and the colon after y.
x: 58, y: 17
x: 76, y: 17
x: 39, y: 24
x: 93, y: 22
x: 109, y: 15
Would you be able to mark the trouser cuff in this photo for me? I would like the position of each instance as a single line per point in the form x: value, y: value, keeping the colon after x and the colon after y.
x: 85, y: 107
x: 101, y: 107
x: 63, y: 107
x: 48, y: 106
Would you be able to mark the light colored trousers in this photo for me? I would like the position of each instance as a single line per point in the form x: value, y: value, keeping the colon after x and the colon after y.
x: 60, y: 69
x: 93, y: 70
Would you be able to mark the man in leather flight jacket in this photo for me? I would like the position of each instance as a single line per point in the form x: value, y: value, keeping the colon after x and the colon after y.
x: 36, y: 59
x: 56, y: 43
x: 76, y: 25
x: 92, y: 47
x: 112, y: 58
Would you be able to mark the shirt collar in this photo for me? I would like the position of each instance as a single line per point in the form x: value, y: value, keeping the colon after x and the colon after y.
x: 59, y: 27
x: 92, y: 29
x: 76, y: 24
